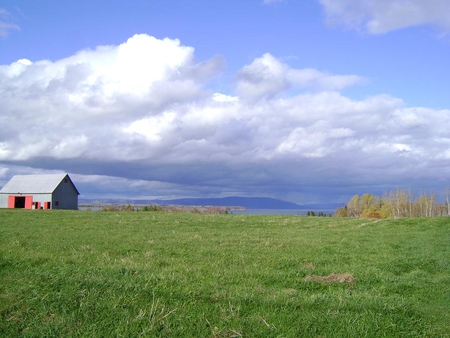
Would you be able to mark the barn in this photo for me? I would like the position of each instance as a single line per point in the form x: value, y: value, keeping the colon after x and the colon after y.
x: 55, y: 191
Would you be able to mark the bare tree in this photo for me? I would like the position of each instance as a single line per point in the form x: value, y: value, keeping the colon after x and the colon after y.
x: 447, y: 199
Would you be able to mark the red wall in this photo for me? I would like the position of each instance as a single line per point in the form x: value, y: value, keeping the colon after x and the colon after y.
x: 11, y: 200
x: 28, y: 202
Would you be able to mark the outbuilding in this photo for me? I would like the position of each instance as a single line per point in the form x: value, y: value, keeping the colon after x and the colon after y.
x: 55, y: 191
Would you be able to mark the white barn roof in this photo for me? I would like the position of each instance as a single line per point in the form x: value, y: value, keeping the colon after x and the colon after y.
x: 34, y: 184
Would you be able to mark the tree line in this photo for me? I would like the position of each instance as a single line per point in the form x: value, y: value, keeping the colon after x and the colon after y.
x: 396, y: 204
x: 166, y: 208
x: 318, y: 214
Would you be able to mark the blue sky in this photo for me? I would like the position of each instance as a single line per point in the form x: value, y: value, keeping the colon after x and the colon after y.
x: 308, y: 101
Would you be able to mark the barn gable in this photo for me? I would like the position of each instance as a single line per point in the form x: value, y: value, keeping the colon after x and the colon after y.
x: 55, y: 191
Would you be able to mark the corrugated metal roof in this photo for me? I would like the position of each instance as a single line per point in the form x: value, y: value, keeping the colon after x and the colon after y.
x: 33, y: 184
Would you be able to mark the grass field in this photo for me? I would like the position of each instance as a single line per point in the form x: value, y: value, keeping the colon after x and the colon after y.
x: 119, y: 274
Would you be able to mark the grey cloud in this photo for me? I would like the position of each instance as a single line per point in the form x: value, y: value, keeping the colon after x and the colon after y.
x: 205, y: 70
x: 315, y: 79
x: 233, y: 132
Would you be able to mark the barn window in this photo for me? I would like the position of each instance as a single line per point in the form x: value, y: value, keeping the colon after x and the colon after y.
x: 65, y: 180
x: 56, y: 203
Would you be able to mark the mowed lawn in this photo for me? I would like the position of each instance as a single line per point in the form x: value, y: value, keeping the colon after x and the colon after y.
x: 156, y: 274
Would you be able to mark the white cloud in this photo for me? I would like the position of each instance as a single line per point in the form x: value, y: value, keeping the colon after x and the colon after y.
x: 154, y: 128
x: 142, y: 111
x: 94, y: 93
x: 267, y: 76
x: 6, y: 26
x: 139, y: 66
x: 218, y: 97
x: 382, y: 16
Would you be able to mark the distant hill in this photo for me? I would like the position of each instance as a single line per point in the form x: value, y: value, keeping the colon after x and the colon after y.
x: 246, y: 202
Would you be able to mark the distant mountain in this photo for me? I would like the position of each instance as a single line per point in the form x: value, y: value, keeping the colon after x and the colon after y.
x: 246, y: 202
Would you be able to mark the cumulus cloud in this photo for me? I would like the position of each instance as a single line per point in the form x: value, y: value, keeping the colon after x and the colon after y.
x: 382, y: 16
x: 6, y: 26
x: 267, y: 76
x: 143, y: 114
x: 94, y: 93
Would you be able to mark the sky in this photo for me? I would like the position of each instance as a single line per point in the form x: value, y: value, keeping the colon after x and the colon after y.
x: 307, y: 101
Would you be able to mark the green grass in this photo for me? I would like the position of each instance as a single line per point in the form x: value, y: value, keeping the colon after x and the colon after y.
x: 112, y: 274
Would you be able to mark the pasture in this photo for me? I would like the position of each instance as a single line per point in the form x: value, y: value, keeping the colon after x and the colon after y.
x: 157, y: 274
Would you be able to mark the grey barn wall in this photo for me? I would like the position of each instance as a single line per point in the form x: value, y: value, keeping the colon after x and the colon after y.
x: 65, y: 195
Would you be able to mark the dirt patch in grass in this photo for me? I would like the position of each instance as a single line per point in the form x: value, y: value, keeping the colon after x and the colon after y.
x: 333, y: 278
x: 309, y: 265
